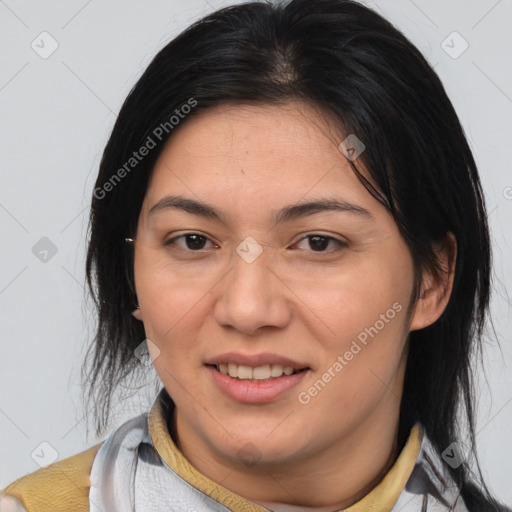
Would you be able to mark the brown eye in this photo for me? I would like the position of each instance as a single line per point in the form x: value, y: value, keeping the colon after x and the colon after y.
x: 319, y: 243
x: 190, y: 241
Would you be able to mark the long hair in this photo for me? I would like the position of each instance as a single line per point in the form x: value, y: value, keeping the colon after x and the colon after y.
x: 354, y: 65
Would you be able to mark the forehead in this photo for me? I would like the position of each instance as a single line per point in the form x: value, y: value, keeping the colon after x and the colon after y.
x: 289, y: 148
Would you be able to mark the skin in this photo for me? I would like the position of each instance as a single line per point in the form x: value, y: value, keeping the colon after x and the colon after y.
x: 293, y: 300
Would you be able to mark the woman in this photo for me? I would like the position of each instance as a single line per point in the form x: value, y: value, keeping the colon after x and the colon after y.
x: 288, y: 223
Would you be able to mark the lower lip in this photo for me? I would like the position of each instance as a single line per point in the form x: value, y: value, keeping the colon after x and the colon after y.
x: 253, y: 392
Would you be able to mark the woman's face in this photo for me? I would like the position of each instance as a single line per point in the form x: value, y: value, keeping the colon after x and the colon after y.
x: 266, y: 282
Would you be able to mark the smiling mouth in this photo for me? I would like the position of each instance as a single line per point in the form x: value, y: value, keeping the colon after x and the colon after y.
x: 263, y: 373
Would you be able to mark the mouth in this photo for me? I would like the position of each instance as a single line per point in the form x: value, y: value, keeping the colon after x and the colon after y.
x: 262, y: 373
x: 260, y: 384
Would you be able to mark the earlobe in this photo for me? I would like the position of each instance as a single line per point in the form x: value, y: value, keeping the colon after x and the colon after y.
x: 436, y: 287
x: 137, y: 313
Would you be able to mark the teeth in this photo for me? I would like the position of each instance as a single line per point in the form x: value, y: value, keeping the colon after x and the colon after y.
x: 261, y: 372
x: 244, y: 372
x: 264, y: 372
x: 232, y: 370
x: 276, y: 370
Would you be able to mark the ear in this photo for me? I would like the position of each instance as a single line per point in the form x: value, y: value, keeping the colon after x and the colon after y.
x: 137, y: 313
x: 436, y: 289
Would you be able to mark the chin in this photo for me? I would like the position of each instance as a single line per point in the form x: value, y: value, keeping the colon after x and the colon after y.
x: 259, y: 450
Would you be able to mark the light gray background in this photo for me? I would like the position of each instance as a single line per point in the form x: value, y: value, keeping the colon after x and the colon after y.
x: 56, y: 115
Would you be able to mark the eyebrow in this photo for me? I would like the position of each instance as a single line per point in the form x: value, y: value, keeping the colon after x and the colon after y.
x: 285, y: 214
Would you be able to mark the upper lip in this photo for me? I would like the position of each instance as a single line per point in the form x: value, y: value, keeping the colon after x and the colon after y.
x: 255, y: 360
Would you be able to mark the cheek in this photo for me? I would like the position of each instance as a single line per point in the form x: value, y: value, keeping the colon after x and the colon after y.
x: 172, y: 306
x: 360, y: 367
x: 169, y: 313
x: 365, y: 311
x: 354, y: 299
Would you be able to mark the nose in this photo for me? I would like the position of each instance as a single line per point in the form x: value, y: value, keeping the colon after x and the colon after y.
x: 252, y: 296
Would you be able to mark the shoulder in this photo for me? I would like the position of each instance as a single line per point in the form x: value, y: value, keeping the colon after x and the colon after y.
x: 60, y: 487
x: 66, y: 485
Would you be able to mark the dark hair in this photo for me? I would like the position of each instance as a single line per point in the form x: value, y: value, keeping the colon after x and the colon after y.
x: 354, y: 65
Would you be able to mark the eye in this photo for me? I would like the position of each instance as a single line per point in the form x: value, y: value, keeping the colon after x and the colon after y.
x: 191, y: 241
x: 320, y: 242
x: 195, y: 242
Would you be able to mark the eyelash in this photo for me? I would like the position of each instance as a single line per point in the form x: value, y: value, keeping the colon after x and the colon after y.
x: 341, y: 244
